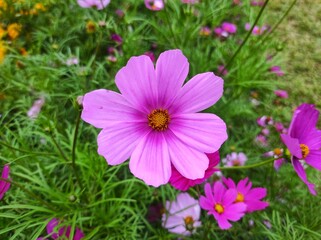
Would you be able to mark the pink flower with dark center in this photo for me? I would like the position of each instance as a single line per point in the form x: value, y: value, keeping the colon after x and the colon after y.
x: 281, y: 93
x: 154, y: 5
x: 303, y: 140
x: 277, y: 153
x: 99, y: 4
x: 277, y: 70
x: 248, y: 195
x: 182, y: 215
x: 4, y: 186
x: 62, y: 231
x: 155, y: 120
x: 264, y: 121
x: 234, y: 159
x: 181, y: 183
x: 220, y: 202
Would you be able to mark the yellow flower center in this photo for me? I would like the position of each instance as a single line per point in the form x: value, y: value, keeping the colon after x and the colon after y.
x: 159, y: 119
x: 305, y: 150
x: 188, y: 220
x: 239, y: 197
x: 277, y: 151
x: 219, y: 208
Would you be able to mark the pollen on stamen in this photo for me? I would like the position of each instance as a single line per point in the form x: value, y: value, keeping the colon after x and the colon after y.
x: 239, y: 198
x: 305, y: 150
x: 219, y: 208
x: 159, y: 119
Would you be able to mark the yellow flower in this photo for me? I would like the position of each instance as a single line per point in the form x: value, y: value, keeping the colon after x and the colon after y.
x: 90, y: 27
x: 3, y: 51
x: 14, y: 30
x: 2, y: 32
x: 3, y: 5
x: 40, y: 6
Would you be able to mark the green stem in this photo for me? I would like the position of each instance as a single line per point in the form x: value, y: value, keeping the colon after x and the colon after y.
x: 22, y: 150
x: 170, y: 26
x: 73, y: 152
x: 58, y: 147
x: 248, y: 166
x: 246, y: 38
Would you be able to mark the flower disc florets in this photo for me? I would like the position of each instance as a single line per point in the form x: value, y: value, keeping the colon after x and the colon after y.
x: 158, y: 119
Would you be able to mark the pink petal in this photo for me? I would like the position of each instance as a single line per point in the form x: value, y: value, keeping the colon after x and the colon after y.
x: 189, y: 162
x: 150, y: 160
x: 204, y: 132
x: 201, y: 92
x: 256, y: 193
x: 181, y: 229
x: 222, y: 222
x: 206, y: 204
x: 219, y: 191
x: 229, y: 197
x: 256, y: 205
x: 137, y: 83
x: 235, y: 211
x: 229, y: 182
x: 171, y: 71
x: 84, y: 3
x: 301, y: 173
x: 314, y: 159
x: 51, y: 226
x: 118, y: 142
x: 172, y: 221
x: 103, y: 108
x: 313, y: 139
x: 292, y: 144
x: 209, y: 193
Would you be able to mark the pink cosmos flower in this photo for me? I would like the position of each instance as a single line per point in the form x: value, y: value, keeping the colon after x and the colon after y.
x: 234, y: 159
x: 4, y: 186
x: 116, y: 38
x: 248, y: 195
x: 182, y: 215
x: 222, y: 69
x: 220, y: 202
x: 205, y: 31
x: 154, y: 120
x: 181, y: 183
x: 229, y: 27
x: 72, y: 61
x: 277, y: 153
x: 99, y: 4
x: 277, y: 70
x: 261, y: 140
x: 280, y: 128
x: 281, y: 93
x: 62, y: 232
x: 36, y: 108
x: 265, y: 132
x: 154, y: 5
x: 256, y: 30
x: 264, y: 121
x: 303, y: 140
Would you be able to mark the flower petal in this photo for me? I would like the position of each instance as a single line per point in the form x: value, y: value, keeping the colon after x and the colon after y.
x: 199, y: 93
x: 292, y: 144
x: 313, y: 139
x: 150, y: 160
x: 229, y: 197
x: 189, y: 162
x: 171, y: 70
x: 235, y: 211
x: 209, y: 193
x: 206, y: 204
x: 137, y: 83
x: 219, y: 191
x: 222, y: 222
x: 314, y: 159
x: 204, y: 132
x: 102, y: 108
x: 256, y: 193
x: 118, y: 142
x: 256, y: 205
x: 301, y: 173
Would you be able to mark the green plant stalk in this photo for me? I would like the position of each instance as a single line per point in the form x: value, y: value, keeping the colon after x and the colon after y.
x: 248, y: 166
x: 58, y: 147
x: 73, y: 151
x: 170, y: 27
x: 22, y: 150
x: 246, y: 38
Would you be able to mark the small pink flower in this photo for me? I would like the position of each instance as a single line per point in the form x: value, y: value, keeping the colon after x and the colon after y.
x: 234, y: 159
x: 116, y: 38
x: 120, y: 13
x: 189, y: 1
x: 72, y: 61
x: 36, y: 107
x: 256, y: 30
x: 277, y: 70
x: 111, y: 58
x: 281, y: 93
x: 220, y: 203
x: 261, y: 140
x: 265, y: 132
x: 229, y: 27
x: 222, y: 69
x: 154, y: 5
x: 181, y: 183
x: 99, y: 4
x: 151, y: 55
x: 182, y: 215
x: 205, y: 31
x: 267, y: 223
x: 264, y: 121
x: 4, y: 186
x: 248, y: 195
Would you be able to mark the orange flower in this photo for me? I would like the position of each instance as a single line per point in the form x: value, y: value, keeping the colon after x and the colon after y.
x: 3, y: 51
x: 14, y: 30
x: 23, y: 52
x: 2, y: 32
x: 90, y: 27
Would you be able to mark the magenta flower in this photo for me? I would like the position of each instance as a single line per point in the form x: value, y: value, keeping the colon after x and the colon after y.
x: 277, y: 153
x: 256, y: 30
x: 182, y: 215
x: 62, y: 232
x: 220, y: 202
x: 277, y: 70
x: 234, y: 159
x: 280, y: 128
x: 303, y: 140
x: 154, y: 120
x: 182, y: 183
x: 205, y: 31
x: 222, y: 69
x: 229, y: 27
x: 261, y: 140
x: 99, y: 4
x: 154, y: 5
x: 251, y: 197
x: 264, y: 121
x: 151, y: 55
x: 281, y: 93
x: 4, y: 186
x: 116, y: 38
x: 34, y: 111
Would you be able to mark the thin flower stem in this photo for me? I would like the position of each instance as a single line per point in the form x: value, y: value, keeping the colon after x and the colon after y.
x: 248, y: 166
x: 58, y: 147
x: 24, y: 151
x: 246, y: 38
x: 73, y: 152
x: 31, y: 194
x: 278, y: 23
x: 170, y: 26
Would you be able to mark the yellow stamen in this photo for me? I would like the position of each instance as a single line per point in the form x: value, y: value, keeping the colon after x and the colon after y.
x: 158, y: 119
x: 219, y: 208
x: 305, y: 150
x: 188, y: 220
x: 277, y: 151
x: 240, y: 197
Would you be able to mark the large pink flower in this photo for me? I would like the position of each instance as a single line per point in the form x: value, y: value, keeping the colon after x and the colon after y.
x: 182, y: 183
x: 220, y: 202
x: 99, y: 4
x: 154, y: 120
x: 303, y: 140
